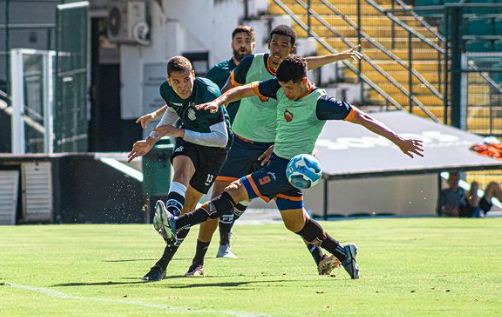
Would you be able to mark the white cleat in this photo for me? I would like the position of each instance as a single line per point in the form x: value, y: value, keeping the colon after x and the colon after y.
x: 225, y: 252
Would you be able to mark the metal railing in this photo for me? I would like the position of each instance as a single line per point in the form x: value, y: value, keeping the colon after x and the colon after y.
x: 412, y: 99
x: 365, y: 79
x: 469, y: 85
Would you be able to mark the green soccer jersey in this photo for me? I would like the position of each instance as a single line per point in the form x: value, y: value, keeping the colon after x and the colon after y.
x: 204, y: 91
x: 255, y: 119
x: 299, y: 122
x: 219, y: 74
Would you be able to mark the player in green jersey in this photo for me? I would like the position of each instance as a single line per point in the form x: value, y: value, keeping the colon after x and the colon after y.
x: 202, y: 144
x: 302, y: 111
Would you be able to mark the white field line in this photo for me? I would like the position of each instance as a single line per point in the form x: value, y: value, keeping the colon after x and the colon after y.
x: 56, y: 294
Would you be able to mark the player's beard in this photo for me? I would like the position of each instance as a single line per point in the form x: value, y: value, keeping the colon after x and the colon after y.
x: 239, y: 55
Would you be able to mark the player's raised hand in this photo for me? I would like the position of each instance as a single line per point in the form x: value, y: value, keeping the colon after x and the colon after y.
x: 265, y: 157
x: 411, y: 147
x: 352, y: 53
x: 149, y: 117
x: 139, y: 148
x: 211, y: 106
x: 168, y: 130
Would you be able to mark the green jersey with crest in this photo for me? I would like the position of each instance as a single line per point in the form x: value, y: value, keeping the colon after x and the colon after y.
x: 204, y: 91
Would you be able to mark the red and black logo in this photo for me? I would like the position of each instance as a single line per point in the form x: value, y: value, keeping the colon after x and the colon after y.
x: 288, y: 116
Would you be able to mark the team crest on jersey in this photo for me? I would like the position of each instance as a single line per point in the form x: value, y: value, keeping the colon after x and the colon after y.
x: 191, y: 114
x: 288, y: 116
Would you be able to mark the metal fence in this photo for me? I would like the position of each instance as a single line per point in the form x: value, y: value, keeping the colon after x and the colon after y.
x: 24, y: 24
x: 48, y: 25
x: 472, y: 62
x: 421, y: 64
x: 71, y: 107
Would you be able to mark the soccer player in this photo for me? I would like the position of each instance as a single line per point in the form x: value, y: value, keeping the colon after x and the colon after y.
x: 301, y: 113
x: 254, y: 127
x: 202, y: 144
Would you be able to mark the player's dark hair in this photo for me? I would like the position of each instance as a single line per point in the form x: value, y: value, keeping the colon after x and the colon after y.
x: 244, y: 29
x: 293, y: 68
x: 178, y: 64
x: 284, y: 30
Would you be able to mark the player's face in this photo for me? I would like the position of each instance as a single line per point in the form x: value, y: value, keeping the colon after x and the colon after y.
x: 182, y: 83
x: 242, y: 45
x: 294, y: 91
x: 280, y: 47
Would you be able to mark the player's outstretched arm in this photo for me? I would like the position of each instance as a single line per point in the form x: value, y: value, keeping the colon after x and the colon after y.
x: 314, y: 62
x: 409, y: 147
x: 151, y: 117
x: 140, y: 148
x: 230, y: 96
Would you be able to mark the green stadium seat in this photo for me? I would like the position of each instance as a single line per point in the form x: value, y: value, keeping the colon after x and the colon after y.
x: 479, y: 27
x: 419, y: 3
x: 478, y: 46
x: 498, y: 47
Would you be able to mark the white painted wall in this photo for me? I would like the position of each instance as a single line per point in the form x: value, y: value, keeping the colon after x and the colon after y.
x: 178, y: 26
x: 398, y: 195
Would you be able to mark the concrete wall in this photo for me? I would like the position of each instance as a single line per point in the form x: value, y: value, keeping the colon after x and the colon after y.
x: 398, y: 195
x: 177, y: 26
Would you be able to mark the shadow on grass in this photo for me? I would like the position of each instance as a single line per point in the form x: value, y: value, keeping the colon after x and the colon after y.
x: 164, y: 285
x: 230, y: 284
x: 139, y: 281
x: 128, y: 260
x: 138, y: 260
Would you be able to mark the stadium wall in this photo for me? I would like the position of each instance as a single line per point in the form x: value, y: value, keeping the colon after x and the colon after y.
x: 178, y: 27
x: 82, y: 190
x: 397, y: 195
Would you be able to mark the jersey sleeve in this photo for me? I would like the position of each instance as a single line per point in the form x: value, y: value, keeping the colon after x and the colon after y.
x: 266, y: 89
x: 217, y: 76
x: 238, y: 75
x: 329, y: 108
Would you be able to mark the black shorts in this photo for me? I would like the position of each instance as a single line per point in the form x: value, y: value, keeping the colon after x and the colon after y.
x: 207, y: 161
x: 242, y: 159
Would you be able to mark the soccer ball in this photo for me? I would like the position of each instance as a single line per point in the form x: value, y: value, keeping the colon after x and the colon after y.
x: 303, y: 171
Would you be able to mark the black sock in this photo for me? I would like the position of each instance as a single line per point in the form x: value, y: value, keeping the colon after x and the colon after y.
x: 170, y: 250
x: 313, y: 233
x: 200, y: 252
x: 316, y: 253
x: 227, y: 222
x: 212, y: 209
x: 174, y: 203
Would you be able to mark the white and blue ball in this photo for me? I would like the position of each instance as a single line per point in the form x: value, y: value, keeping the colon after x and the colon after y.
x: 303, y: 171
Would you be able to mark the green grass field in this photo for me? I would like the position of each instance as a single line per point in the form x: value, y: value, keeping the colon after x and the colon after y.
x: 409, y: 267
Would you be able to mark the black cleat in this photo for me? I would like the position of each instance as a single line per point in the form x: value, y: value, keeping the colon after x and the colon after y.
x: 155, y: 274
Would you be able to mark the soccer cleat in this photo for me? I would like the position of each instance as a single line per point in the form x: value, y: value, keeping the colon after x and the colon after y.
x: 350, y: 263
x: 195, y: 270
x: 154, y: 275
x: 327, y: 264
x: 225, y: 252
x: 165, y: 223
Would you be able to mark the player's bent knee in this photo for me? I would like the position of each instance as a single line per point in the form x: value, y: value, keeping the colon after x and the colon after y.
x: 294, y: 226
x: 237, y: 191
